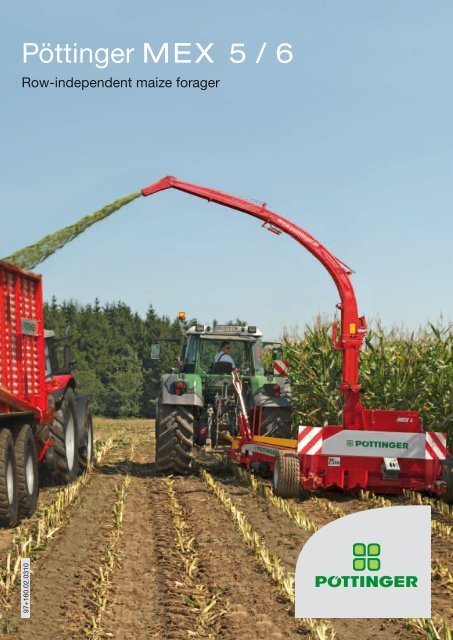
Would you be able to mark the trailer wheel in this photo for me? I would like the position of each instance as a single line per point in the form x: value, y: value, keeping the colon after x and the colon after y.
x: 8, y: 480
x: 86, y: 451
x: 276, y: 422
x: 65, y: 441
x: 286, y: 478
x: 27, y: 470
x: 174, y: 439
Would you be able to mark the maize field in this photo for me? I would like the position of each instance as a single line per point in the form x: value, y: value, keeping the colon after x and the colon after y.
x: 398, y: 370
x: 125, y: 553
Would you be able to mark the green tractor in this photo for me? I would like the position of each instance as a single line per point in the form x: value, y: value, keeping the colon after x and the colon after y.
x: 197, y: 405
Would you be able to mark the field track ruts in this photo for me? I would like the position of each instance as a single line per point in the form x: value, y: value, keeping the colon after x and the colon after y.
x: 151, y: 592
x: 148, y: 599
x: 47, y: 495
x: 132, y: 612
x: 229, y: 566
x: 64, y: 571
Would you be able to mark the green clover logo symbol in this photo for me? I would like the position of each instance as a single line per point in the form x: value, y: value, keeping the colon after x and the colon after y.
x: 366, y: 556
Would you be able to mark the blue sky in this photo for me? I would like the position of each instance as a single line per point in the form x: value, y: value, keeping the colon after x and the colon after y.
x: 352, y: 140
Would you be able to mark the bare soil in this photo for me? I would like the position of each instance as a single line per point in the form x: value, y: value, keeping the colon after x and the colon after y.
x: 150, y: 594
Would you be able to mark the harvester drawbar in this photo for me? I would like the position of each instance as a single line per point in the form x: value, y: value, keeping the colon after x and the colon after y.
x: 381, y: 450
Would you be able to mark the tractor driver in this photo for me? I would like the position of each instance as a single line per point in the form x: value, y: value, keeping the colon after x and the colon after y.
x: 224, y: 354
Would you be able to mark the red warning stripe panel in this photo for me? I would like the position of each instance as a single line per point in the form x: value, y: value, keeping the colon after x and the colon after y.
x: 303, y: 431
x: 429, y: 452
x: 309, y: 441
x: 436, y: 445
x: 281, y: 367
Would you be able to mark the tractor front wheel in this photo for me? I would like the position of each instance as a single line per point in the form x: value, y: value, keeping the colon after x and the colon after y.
x: 174, y: 439
x: 286, y: 478
x: 64, y: 438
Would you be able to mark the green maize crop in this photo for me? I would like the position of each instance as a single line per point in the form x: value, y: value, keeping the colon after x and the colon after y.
x: 397, y: 371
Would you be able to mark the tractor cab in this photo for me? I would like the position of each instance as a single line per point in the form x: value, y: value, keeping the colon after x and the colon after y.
x: 243, y: 353
x: 204, y: 342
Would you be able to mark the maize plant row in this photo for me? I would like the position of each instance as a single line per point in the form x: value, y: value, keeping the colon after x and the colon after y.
x: 31, y: 537
x: 101, y: 584
x: 205, y: 602
x: 442, y: 508
x: 373, y: 499
x: 328, y: 506
x: 261, y: 489
x: 441, y: 530
x: 441, y: 571
x: 437, y: 528
x: 435, y: 628
x: 271, y: 563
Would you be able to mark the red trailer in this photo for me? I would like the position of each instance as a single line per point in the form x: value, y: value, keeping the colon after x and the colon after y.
x: 386, y: 451
x: 44, y: 429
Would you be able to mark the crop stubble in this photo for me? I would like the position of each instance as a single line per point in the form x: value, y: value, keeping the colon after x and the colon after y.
x: 181, y: 569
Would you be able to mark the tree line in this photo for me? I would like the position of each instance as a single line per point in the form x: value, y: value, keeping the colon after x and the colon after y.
x: 115, y: 367
x: 398, y: 370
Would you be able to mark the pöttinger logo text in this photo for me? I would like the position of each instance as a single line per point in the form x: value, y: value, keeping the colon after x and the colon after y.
x: 366, y: 557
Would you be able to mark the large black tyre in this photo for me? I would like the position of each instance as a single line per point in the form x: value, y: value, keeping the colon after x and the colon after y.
x: 286, y: 477
x: 27, y: 470
x: 8, y: 480
x: 174, y: 439
x: 63, y: 433
x: 86, y: 450
x: 276, y: 422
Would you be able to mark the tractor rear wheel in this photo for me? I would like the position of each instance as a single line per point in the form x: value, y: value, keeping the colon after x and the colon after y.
x: 86, y: 451
x: 174, y: 439
x: 8, y: 480
x: 276, y: 422
x: 286, y: 478
x: 64, y: 438
x: 27, y: 470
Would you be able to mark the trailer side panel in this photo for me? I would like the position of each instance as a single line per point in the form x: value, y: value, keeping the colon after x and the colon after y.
x: 22, y: 359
